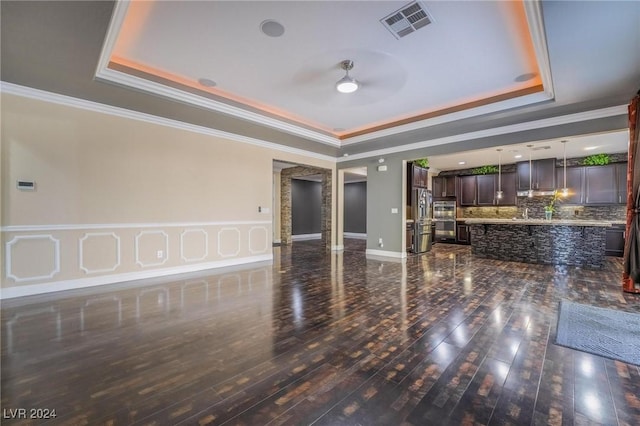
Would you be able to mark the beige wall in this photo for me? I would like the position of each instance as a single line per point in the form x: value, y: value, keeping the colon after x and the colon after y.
x: 118, y: 196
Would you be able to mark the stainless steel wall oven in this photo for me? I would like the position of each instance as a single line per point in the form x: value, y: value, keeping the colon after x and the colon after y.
x: 444, y: 215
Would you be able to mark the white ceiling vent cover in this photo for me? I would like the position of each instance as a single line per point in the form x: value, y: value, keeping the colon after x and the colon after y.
x: 408, y: 19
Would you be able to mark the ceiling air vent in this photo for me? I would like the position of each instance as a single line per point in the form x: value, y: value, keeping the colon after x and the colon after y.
x: 408, y: 19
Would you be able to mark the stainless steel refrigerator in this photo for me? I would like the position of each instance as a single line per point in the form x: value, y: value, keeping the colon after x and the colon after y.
x: 422, y: 201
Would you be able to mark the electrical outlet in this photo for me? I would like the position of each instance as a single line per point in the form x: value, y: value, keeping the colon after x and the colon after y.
x: 394, y: 210
x: 160, y: 254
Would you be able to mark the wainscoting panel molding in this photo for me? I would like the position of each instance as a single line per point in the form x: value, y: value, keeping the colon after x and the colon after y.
x: 197, y: 242
x: 43, y: 259
x: 24, y: 250
x: 100, y: 253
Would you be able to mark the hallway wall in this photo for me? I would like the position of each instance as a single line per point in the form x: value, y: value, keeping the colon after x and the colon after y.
x: 355, y: 207
x: 306, y: 204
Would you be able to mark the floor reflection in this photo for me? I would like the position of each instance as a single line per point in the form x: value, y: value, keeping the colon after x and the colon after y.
x: 332, y: 338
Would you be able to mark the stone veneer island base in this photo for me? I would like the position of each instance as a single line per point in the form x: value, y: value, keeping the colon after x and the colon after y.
x: 553, y: 242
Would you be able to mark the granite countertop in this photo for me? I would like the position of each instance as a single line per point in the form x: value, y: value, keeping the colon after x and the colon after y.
x: 542, y: 222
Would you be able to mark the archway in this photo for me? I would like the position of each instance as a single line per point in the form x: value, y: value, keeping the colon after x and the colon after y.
x: 285, y: 202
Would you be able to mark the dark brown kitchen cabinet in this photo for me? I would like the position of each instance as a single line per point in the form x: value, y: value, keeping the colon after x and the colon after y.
x: 486, y: 190
x: 543, y: 175
x: 508, y: 186
x: 463, y: 235
x: 419, y: 176
x: 481, y: 190
x: 614, y: 241
x: 621, y: 182
x: 600, y: 184
x: 467, y: 190
x: 575, y: 184
x: 443, y: 186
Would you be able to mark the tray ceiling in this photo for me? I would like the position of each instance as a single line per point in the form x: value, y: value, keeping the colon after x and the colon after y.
x: 473, y: 58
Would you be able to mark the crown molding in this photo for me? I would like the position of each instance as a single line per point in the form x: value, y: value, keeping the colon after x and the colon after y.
x: 41, y: 95
x: 513, y: 128
x: 123, y: 79
x: 535, y: 19
x: 104, y: 73
x: 455, y: 116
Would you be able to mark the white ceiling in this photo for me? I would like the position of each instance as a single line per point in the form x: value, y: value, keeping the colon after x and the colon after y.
x: 471, y: 51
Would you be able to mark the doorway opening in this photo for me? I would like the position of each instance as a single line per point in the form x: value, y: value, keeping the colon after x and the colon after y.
x: 354, y: 203
x: 286, y: 173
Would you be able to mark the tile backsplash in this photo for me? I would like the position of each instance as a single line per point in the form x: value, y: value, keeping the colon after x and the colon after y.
x: 536, y: 210
x: 506, y: 212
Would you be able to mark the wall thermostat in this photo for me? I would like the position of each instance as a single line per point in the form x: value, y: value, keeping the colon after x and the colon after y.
x: 26, y: 185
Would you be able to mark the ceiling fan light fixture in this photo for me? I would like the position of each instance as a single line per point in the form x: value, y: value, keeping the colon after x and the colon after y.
x: 347, y: 84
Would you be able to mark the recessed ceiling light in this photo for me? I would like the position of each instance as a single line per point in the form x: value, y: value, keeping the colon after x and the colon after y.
x: 462, y: 163
x: 271, y: 28
x: 525, y: 77
x: 517, y: 156
x: 207, y: 82
x: 590, y: 148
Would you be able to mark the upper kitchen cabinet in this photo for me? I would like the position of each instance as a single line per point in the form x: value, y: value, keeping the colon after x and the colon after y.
x: 480, y: 190
x: 467, y: 191
x: 419, y: 176
x: 575, y: 184
x: 600, y: 184
x: 486, y: 190
x: 443, y: 186
x: 542, y: 177
x: 508, y: 186
x: 621, y: 182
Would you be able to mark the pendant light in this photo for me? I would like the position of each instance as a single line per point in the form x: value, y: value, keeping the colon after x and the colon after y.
x: 499, y: 194
x: 565, y: 190
x: 530, y: 193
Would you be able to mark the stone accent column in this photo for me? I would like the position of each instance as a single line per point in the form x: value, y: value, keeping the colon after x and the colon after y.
x: 285, y: 208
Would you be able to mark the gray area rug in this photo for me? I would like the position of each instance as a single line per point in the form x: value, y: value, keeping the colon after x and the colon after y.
x: 599, y: 331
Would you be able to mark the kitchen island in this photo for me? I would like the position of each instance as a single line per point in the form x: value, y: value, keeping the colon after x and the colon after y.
x: 554, y: 242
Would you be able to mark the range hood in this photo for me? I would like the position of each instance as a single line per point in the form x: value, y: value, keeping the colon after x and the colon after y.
x: 535, y: 193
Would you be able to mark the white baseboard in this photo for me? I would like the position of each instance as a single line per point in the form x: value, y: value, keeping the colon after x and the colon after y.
x: 278, y: 241
x: 372, y: 253
x: 34, y: 289
x: 304, y: 237
x: 355, y: 235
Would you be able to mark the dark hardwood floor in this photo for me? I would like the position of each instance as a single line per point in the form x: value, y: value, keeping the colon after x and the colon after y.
x: 321, y: 338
